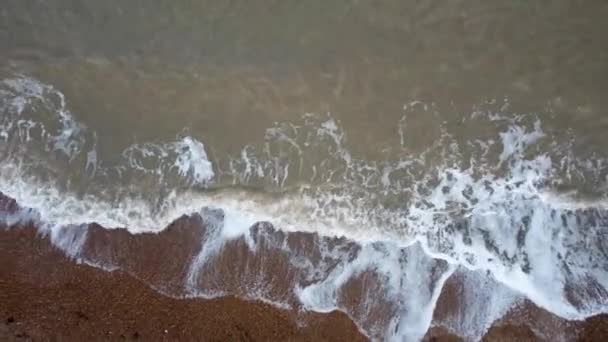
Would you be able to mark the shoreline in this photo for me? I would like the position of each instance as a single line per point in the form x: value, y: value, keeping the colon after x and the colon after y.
x: 46, y: 293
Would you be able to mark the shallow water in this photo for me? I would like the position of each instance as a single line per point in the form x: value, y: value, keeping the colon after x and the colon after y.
x: 475, y: 128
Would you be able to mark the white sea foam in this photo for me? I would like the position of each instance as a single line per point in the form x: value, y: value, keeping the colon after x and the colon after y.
x: 36, y: 111
x: 186, y: 157
x: 483, y: 299
x: 494, y: 217
x: 506, y: 226
x: 192, y: 161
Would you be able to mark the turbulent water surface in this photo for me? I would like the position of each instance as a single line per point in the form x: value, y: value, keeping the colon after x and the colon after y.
x: 438, y: 138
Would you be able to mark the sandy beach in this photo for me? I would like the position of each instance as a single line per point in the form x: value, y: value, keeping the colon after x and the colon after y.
x: 45, y: 295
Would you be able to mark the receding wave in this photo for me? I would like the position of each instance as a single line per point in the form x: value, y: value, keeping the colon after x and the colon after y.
x: 487, y: 206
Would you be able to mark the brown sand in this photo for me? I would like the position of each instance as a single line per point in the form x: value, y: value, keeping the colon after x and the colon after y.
x: 45, y: 296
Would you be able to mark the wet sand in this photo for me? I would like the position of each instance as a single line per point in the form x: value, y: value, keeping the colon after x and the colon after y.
x: 45, y: 295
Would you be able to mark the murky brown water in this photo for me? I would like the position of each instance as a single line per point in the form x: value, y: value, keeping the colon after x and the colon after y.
x: 140, y: 71
x: 394, y: 76
x: 369, y: 118
x: 228, y: 70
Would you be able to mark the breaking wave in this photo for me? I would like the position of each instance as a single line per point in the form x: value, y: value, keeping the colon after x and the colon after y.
x: 486, y: 204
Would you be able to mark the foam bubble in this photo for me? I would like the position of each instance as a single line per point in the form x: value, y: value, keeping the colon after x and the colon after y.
x: 192, y: 161
x: 28, y: 105
x: 186, y: 157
